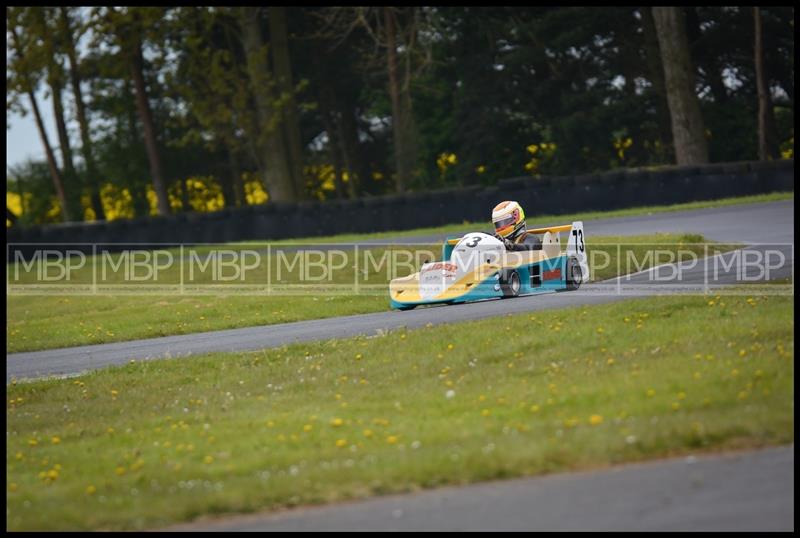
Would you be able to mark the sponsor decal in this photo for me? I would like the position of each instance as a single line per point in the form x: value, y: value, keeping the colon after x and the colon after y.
x: 552, y: 275
x: 448, y: 267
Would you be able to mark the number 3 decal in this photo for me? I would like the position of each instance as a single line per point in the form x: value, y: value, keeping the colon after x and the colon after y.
x: 475, y: 241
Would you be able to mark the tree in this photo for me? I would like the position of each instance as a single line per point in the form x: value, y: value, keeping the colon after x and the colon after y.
x: 47, y: 35
x: 125, y: 29
x: 279, y: 44
x: 767, y: 146
x: 93, y: 180
x: 211, y: 81
x: 273, y: 151
x: 688, y: 130
x: 25, y: 68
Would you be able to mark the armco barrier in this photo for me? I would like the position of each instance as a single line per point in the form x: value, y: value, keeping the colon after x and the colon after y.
x: 550, y: 195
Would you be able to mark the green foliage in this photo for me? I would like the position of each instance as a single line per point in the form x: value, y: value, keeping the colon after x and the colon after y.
x: 485, y: 85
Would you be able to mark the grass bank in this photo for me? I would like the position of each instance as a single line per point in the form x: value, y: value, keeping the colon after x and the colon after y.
x: 155, y: 443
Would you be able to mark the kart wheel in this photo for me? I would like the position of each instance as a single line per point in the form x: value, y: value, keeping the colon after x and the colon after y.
x: 574, y: 274
x: 510, y: 283
x: 407, y: 307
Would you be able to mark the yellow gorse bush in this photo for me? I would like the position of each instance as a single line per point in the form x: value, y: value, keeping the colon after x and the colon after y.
x: 445, y: 161
x: 621, y: 145
x: 539, y: 154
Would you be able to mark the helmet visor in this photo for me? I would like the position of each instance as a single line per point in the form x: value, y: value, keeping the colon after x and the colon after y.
x: 504, y: 223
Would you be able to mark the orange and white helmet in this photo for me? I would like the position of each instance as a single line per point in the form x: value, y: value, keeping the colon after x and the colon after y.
x: 509, y: 219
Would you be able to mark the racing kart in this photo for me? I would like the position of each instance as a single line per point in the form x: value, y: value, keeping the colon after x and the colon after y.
x: 477, y: 266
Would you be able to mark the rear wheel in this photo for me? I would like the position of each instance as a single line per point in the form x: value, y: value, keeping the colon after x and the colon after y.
x: 574, y: 274
x: 510, y: 283
x: 407, y: 307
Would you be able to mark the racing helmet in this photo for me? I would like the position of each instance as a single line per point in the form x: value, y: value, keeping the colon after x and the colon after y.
x: 509, y: 219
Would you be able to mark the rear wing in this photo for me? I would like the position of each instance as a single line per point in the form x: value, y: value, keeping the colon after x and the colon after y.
x: 553, y: 229
x: 576, y: 245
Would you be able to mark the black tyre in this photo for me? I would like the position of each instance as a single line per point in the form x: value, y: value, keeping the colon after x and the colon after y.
x: 407, y: 307
x: 574, y: 274
x: 510, y: 283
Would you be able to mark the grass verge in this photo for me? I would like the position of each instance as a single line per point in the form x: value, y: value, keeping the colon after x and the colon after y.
x: 154, y: 443
x: 54, y: 321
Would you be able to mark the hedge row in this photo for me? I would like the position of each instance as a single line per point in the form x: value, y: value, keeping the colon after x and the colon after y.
x: 544, y: 195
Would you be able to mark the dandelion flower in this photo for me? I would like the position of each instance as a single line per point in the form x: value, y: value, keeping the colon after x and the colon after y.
x: 341, y: 443
x: 90, y: 490
x: 594, y: 420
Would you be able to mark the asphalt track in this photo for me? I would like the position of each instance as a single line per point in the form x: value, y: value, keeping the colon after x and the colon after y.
x: 765, y: 226
x: 746, y: 491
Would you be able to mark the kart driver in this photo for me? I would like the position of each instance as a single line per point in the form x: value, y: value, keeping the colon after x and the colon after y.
x: 509, y: 226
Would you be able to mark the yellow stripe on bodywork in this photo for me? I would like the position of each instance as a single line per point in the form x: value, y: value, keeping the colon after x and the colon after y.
x: 563, y: 228
x: 410, y: 285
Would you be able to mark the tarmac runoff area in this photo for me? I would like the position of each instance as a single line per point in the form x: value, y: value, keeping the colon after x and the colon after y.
x: 745, y: 491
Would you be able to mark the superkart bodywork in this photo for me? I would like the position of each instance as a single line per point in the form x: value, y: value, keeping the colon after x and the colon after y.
x: 477, y: 266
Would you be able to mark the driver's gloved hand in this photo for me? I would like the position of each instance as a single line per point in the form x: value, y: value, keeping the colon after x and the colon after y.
x: 503, y: 240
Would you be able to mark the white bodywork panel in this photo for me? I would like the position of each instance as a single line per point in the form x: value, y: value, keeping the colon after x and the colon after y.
x: 473, y: 250
x: 577, y: 247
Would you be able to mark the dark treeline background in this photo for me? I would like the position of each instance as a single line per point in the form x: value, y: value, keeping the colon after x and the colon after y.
x: 164, y: 110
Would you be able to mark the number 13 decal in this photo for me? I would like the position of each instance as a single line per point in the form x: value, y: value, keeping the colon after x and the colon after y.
x: 579, y: 239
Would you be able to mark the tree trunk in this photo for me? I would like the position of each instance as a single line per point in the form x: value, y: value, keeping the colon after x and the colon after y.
x: 359, y: 172
x: 69, y: 177
x: 327, y: 109
x: 394, y: 93
x: 58, y: 181
x: 235, y: 171
x: 86, y: 140
x: 656, y: 73
x: 272, y: 148
x: 688, y: 130
x: 146, y: 116
x: 283, y: 72
x: 767, y: 147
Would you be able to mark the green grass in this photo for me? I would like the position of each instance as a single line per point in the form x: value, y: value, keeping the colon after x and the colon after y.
x: 155, y: 443
x: 53, y: 321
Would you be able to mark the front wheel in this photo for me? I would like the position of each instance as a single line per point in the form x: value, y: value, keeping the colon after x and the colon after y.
x: 510, y: 283
x: 574, y: 274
